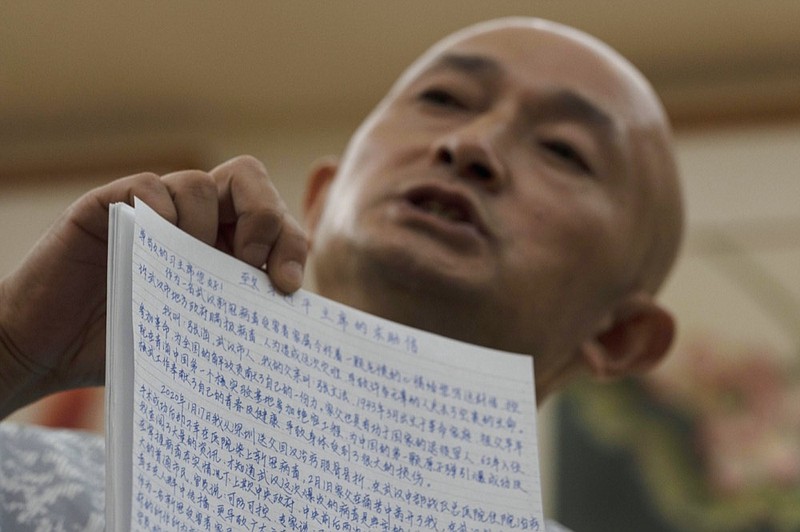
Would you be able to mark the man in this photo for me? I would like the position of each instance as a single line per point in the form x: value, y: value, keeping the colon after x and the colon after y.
x: 516, y: 189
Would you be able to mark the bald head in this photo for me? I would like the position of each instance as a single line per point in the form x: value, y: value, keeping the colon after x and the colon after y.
x: 516, y: 188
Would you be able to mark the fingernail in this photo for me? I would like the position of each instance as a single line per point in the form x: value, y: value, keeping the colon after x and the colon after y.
x: 292, y: 272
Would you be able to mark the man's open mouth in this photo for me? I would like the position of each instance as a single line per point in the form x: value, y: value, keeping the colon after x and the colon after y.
x: 438, y: 208
x: 447, y: 205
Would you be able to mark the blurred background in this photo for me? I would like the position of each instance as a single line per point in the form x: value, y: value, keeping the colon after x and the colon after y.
x: 90, y: 91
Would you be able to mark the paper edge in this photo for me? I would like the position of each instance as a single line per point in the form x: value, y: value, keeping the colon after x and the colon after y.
x: 119, y: 368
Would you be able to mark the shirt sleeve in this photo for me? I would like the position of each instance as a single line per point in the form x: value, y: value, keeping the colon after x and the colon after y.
x: 51, y: 479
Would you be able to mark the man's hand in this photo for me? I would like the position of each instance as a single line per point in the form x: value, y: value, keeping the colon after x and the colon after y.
x: 53, y: 306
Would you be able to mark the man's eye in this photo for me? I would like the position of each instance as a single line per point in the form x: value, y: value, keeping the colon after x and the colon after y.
x: 441, y: 98
x: 568, y: 154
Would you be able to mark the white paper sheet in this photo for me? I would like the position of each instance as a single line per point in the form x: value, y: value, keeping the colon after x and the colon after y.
x: 257, y: 411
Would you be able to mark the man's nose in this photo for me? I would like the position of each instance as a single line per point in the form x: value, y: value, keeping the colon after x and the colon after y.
x: 472, y: 151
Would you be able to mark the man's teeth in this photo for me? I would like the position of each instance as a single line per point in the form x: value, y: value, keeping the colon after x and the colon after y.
x: 440, y: 209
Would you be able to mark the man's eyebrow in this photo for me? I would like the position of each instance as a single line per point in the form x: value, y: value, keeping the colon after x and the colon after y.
x: 567, y: 103
x: 467, y: 63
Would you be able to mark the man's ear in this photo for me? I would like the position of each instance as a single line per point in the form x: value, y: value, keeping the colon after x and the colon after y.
x: 637, y: 338
x: 317, y: 187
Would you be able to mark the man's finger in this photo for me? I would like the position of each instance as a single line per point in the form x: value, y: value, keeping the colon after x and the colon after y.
x: 265, y: 233
x: 90, y: 212
x: 286, y: 262
x: 194, y: 194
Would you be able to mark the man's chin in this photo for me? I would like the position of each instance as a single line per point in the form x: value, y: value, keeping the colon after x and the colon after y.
x: 383, y: 267
x: 430, y: 270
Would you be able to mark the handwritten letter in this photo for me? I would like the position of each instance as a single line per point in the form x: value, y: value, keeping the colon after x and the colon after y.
x: 258, y: 411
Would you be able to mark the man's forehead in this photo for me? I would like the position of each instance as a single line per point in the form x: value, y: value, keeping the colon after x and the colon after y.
x: 519, y: 39
x: 547, y: 53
